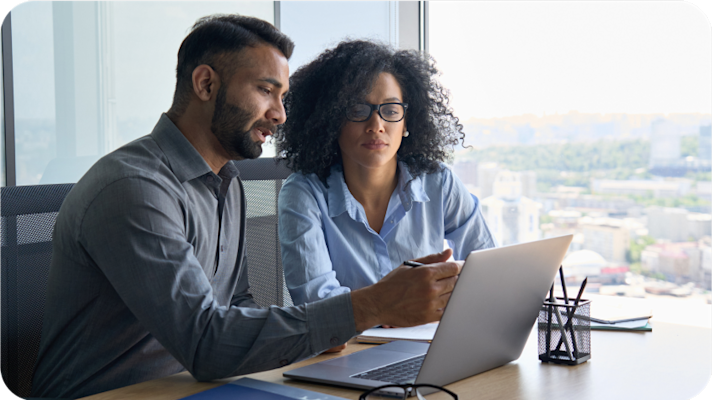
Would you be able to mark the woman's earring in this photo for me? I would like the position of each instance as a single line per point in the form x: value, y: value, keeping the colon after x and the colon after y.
x: 406, y: 134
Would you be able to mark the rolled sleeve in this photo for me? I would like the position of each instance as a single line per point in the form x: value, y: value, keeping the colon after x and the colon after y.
x: 331, y: 321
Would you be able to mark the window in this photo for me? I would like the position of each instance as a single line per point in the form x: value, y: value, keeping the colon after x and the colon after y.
x: 316, y: 26
x: 3, y: 174
x: 92, y: 76
x: 599, y: 114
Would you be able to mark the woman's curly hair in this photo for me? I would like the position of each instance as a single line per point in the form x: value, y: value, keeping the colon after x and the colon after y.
x: 321, y: 91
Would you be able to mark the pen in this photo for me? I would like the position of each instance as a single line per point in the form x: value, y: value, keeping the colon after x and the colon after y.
x: 573, y: 311
x: 548, y: 322
x: 563, y: 339
x: 412, y: 263
x: 571, y: 314
x: 580, y: 292
x: 563, y: 284
x: 568, y: 319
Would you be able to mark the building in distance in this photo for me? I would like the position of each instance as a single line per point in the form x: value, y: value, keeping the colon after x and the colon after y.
x: 511, y: 216
x: 656, y: 188
x: 681, y: 263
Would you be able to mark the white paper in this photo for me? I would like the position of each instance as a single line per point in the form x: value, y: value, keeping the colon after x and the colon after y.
x: 622, y: 325
x: 420, y: 332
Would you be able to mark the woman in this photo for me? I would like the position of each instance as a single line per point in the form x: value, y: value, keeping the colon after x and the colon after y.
x: 366, y: 134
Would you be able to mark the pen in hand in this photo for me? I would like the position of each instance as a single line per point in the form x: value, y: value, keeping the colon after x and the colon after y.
x: 412, y: 263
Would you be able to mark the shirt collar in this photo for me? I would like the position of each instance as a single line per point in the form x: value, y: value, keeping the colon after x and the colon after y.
x: 341, y: 200
x: 184, y: 160
x: 410, y: 189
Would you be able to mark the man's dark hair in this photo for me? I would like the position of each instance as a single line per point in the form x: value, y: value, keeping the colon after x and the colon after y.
x: 215, y: 40
x: 321, y: 91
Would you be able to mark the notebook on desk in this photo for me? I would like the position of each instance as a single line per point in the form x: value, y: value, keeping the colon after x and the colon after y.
x: 421, y: 333
x: 253, y: 389
x: 485, y: 325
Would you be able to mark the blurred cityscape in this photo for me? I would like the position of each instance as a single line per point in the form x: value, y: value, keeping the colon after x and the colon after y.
x: 634, y: 190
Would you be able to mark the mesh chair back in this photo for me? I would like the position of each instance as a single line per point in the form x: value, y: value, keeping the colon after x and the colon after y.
x: 262, y: 179
x: 28, y: 215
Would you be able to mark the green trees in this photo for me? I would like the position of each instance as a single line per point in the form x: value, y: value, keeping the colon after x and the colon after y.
x: 633, y: 253
x: 569, y: 164
x: 576, y: 163
x: 689, y: 145
x: 574, y: 157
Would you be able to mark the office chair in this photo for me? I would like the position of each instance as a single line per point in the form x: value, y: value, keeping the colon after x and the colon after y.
x: 262, y: 179
x: 28, y: 216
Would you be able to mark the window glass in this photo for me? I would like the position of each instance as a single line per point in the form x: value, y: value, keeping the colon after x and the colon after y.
x: 92, y: 76
x: 591, y: 118
x: 317, y: 25
x: 3, y: 175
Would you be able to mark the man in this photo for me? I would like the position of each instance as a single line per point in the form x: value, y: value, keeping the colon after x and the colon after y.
x: 148, y: 276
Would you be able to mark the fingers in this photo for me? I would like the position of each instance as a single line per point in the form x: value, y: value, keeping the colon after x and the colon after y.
x: 407, y: 296
x: 436, y: 311
x: 435, y: 258
x: 439, y: 295
x: 445, y: 270
x: 444, y: 290
x: 445, y: 286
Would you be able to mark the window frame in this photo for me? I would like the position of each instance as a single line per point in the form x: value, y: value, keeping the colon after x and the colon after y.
x: 412, y: 22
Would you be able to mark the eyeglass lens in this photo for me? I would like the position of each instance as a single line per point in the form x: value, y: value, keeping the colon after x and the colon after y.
x: 391, y: 112
x: 420, y: 394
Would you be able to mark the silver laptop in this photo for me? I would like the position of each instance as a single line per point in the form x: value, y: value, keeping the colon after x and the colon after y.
x: 485, y: 325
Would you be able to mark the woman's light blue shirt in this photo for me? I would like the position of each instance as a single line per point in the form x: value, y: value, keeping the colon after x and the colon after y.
x: 328, y: 247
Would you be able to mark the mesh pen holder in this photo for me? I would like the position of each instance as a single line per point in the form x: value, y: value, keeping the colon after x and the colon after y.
x: 565, y: 332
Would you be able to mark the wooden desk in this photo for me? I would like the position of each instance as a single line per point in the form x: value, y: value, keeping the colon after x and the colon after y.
x: 672, y: 362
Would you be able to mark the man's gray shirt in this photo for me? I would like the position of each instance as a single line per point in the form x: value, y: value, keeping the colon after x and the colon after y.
x: 149, y: 279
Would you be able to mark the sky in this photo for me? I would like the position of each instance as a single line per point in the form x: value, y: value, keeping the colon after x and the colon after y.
x: 502, y: 58
x: 510, y: 58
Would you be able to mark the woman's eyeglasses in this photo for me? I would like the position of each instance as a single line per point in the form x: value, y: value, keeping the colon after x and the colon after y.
x: 404, y: 391
x: 390, y: 112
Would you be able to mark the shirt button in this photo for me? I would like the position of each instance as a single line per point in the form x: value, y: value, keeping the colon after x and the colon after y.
x: 334, y: 341
x: 391, y: 221
x: 283, y: 362
x: 222, y: 248
x: 210, y: 179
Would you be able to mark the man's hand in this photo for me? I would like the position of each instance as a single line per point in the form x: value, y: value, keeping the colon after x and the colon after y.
x: 407, y: 296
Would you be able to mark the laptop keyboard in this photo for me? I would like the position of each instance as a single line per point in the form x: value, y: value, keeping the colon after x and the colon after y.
x: 401, y: 372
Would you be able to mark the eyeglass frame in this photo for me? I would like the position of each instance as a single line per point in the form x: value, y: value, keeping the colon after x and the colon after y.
x: 377, y: 108
x: 406, y: 390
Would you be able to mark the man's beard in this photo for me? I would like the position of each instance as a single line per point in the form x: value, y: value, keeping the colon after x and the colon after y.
x: 227, y: 124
